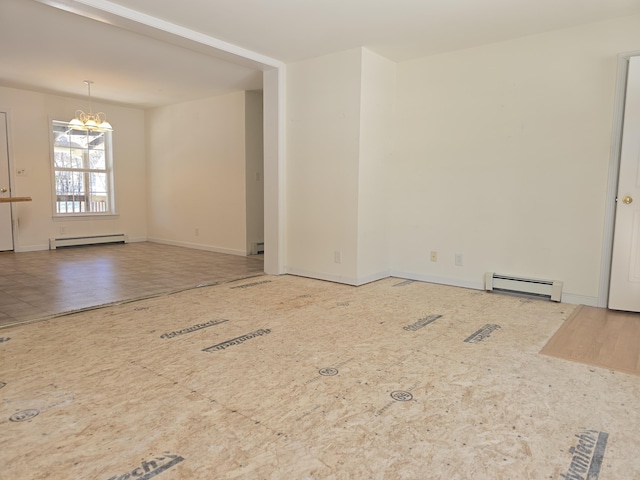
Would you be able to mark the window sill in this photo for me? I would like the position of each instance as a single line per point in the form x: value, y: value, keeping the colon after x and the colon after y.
x: 82, y: 216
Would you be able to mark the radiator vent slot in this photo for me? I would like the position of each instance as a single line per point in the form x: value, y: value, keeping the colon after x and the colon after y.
x: 84, y: 241
x: 528, y: 286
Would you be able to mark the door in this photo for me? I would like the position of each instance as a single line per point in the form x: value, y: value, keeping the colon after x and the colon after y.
x: 624, y: 287
x: 6, y: 226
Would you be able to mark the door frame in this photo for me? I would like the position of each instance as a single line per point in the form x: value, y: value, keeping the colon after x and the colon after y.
x: 14, y: 236
x: 614, y: 174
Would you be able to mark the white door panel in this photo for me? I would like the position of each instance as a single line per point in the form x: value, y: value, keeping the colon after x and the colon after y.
x: 624, y: 288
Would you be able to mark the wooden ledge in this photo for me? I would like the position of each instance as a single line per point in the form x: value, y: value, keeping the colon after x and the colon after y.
x: 14, y: 199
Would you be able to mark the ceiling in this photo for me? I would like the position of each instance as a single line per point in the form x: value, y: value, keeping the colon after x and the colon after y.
x: 48, y: 49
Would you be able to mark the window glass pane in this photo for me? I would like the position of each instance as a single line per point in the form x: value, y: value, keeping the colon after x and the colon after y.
x: 60, y: 135
x: 97, y: 160
x: 82, y: 170
x: 96, y: 142
x: 61, y: 158
x: 98, y: 189
x: 78, y: 138
x: 61, y: 140
x: 70, y: 188
x: 77, y: 158
x: 69, y: 183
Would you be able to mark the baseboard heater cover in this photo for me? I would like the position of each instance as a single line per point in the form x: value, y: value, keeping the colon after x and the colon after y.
x: 530, y: 286
x: 90, y: 240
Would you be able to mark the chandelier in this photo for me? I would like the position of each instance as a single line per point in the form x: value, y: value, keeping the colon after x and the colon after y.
x: 92, y: 122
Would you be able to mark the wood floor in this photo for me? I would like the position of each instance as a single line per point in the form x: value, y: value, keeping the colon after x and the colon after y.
x: 42, y: 284
x: 600, y: 337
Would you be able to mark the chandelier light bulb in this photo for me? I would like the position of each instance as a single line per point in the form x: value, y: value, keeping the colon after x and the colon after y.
x: 92, y: 122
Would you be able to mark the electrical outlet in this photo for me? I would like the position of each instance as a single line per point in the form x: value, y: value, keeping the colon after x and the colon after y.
x: 197, y: 232
x: 434, y: 256
x: 459, y: 260
x: 337, y: 256
x: 63, y: 230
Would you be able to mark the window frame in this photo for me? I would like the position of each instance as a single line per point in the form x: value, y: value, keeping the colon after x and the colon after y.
x: 85, y: 171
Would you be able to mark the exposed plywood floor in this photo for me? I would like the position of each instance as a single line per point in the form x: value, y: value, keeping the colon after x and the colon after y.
x: 601, y: 337
x: 293, y: 378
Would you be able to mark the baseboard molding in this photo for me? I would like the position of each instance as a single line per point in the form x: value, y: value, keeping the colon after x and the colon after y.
x: 579, y: 300
x: 322, y: 276
x: 353, y: 281
x: 452, y: 282
x: 37, y: 248
x: 196, y: 246
x: 137, y: 239
x: 373, y: 277
x: 30, y: 248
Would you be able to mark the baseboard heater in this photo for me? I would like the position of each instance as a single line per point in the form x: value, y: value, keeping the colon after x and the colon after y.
x: 528, y: 286
x: 257, y: 248
x: 83, y: 241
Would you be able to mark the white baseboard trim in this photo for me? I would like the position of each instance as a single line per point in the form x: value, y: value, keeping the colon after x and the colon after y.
x: 356, y: 282
x: 37, y: 248
x: 579, y: 300
x: 30, y: 248
x: 321, y: 276
x: 137, y: 239
x: 373, y: 277
x: 452, y: 282
x: 196, y: 246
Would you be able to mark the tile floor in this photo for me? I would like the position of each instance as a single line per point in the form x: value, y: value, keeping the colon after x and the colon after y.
x: 37, y: 285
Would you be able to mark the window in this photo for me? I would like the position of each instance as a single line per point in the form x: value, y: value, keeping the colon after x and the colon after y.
x: 82, y: 171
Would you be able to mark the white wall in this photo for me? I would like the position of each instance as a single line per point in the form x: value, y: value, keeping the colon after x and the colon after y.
x: 502, y: 155
x: 274, y: 169
x: 254, y: 148
x: 340, y: 120
x: 323, y: 128
x: 377, y: 128
x: 197, y: 174
x: 29, y: 117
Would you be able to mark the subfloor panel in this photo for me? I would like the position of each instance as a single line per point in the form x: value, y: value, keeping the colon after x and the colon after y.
x: 287, y: 377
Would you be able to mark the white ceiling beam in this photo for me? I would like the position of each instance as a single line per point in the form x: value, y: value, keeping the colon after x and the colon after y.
x: 113, y: 14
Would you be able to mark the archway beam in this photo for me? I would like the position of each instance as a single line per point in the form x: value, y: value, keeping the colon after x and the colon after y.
x: 274, y: 93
